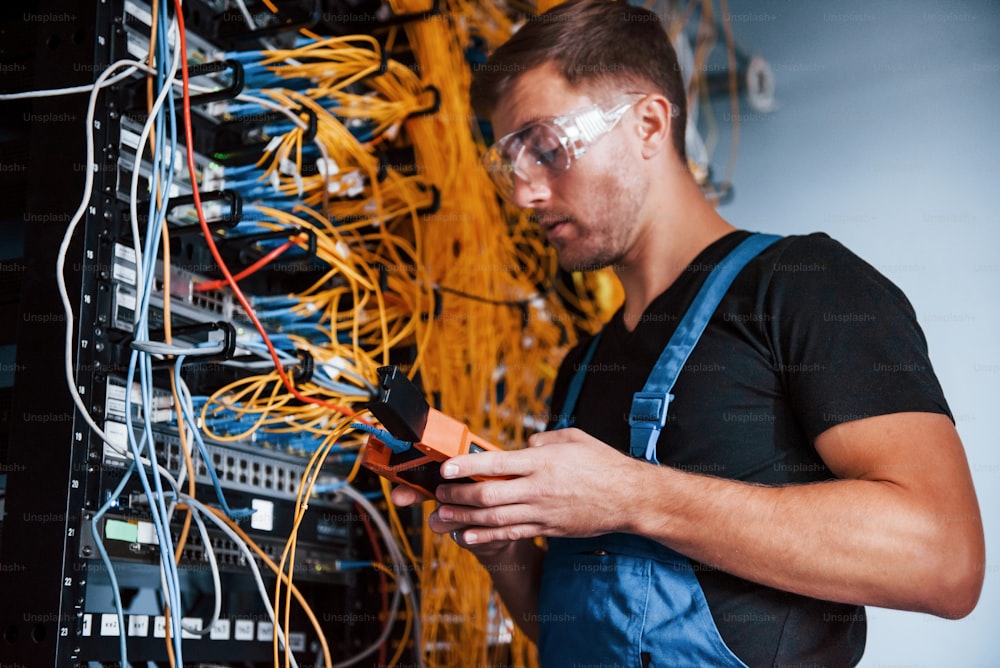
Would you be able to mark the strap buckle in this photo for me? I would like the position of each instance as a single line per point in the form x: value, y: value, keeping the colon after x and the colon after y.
x: 649, y: 409
x: 646, y: 418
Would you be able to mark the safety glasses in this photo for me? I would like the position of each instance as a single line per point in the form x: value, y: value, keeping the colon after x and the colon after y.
x: 545, y: 149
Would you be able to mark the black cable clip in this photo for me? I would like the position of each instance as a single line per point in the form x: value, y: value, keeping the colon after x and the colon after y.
x: 435, y: 204
x: 435, y: 104
x: 311, y: 21
x: 227, y: 220
x: 306, y: 368
x: 248, y: 240
x: 312, y: 125
x: 188, y: 332
x: 227, y: 93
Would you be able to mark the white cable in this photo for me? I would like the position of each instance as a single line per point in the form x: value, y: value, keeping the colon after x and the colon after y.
x: 251, y: 561
x: 242, y: 6
x: 403, y: 584
x: 216, y: 577
x: 67, y: 239
x: 159, y: 348
x: 247, y: 16
x: 246, y: 97
x: 274, y: 106
x: 140, y: 286
x: 52, y: 92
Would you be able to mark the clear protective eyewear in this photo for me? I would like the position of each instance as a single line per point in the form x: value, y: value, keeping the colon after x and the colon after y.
x: 547, y: 148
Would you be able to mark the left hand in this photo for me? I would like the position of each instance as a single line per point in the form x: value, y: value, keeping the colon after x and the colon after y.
x: 565, y: 483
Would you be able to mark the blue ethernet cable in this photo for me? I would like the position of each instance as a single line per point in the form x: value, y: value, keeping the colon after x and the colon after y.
x: 106, y: 560
x: 238, y: 513
x: 397, y: 445
x: 155, y: 222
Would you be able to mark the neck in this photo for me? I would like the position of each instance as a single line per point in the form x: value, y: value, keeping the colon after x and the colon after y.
x: 678, y: 225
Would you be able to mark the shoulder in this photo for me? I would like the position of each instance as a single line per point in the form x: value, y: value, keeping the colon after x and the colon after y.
x: 815, y: 253
x: 820, y: 270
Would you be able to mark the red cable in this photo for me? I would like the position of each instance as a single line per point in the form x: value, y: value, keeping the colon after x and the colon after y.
x: 189, y: 144
x: 204, y: 286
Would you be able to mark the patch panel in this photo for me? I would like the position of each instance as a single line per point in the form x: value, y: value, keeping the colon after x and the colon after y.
x: 66, y: 612
x: 188, y: 305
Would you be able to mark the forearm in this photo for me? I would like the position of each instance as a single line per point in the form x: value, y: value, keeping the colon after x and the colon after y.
x: 516, y: 572
x: 854, y: 541
x: 899, y: 527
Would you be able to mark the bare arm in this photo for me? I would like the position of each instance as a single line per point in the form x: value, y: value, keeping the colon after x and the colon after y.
x: 900, y: 528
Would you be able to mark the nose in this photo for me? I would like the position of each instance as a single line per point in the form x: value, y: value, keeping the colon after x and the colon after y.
x: 530, y: 194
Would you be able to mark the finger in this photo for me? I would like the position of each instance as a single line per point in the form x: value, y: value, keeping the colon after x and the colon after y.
x: 402, y: 495
x: 487, y: 493
x: 438, y: 525
x: 489, y: 464
x: 452, y: 517
x: 485, y: 535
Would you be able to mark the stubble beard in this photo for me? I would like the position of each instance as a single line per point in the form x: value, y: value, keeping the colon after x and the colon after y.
x: 606, y: 240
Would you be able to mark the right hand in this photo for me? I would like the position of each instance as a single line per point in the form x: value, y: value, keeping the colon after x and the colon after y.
x: 403, y: 496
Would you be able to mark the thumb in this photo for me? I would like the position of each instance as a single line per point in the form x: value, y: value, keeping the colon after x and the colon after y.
x: 403, y: 495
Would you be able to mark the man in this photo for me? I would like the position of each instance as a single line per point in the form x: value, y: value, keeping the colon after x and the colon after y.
x: 808, y: 464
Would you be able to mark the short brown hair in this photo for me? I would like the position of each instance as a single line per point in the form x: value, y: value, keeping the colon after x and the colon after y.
x: 600, y: 42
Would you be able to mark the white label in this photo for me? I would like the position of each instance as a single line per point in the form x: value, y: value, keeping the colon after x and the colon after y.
x: 139, y: 49
x: 109, y: 624
x: 122, y: 251
x: 128, y: 137
x: 88, y: 623
x: 263, y: 517
x: 147, y: 534
x: 117, y: 434
x: 138, y: 625
x: 221, y: 630
x: 297, y: 641
x: 124, y: 274
x: 117, y: 391
x: 265, y: 631
x: 159, y: 626
x: 116, y: 407
x: 244, y: 629
x: 139, y: 12
x: 126, y: 299
x: 193, y: 623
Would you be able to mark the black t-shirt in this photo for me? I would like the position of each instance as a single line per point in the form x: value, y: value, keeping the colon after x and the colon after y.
x: 807, y: 337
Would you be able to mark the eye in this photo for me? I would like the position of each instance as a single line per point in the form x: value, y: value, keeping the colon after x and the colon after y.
x: 543, y: 147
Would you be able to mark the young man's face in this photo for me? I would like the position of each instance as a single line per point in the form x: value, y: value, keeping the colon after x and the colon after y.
x: 588, y: 212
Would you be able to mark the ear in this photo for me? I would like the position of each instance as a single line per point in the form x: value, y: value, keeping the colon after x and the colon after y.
x: 654, y: 124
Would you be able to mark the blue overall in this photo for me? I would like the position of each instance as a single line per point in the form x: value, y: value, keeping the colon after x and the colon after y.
x: 621, y: 599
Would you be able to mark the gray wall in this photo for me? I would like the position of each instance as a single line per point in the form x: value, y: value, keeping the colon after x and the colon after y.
x: 886, y: 137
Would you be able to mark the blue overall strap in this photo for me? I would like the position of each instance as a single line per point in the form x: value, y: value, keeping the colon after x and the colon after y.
x: 649, y: 406
x: 576, y: 384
